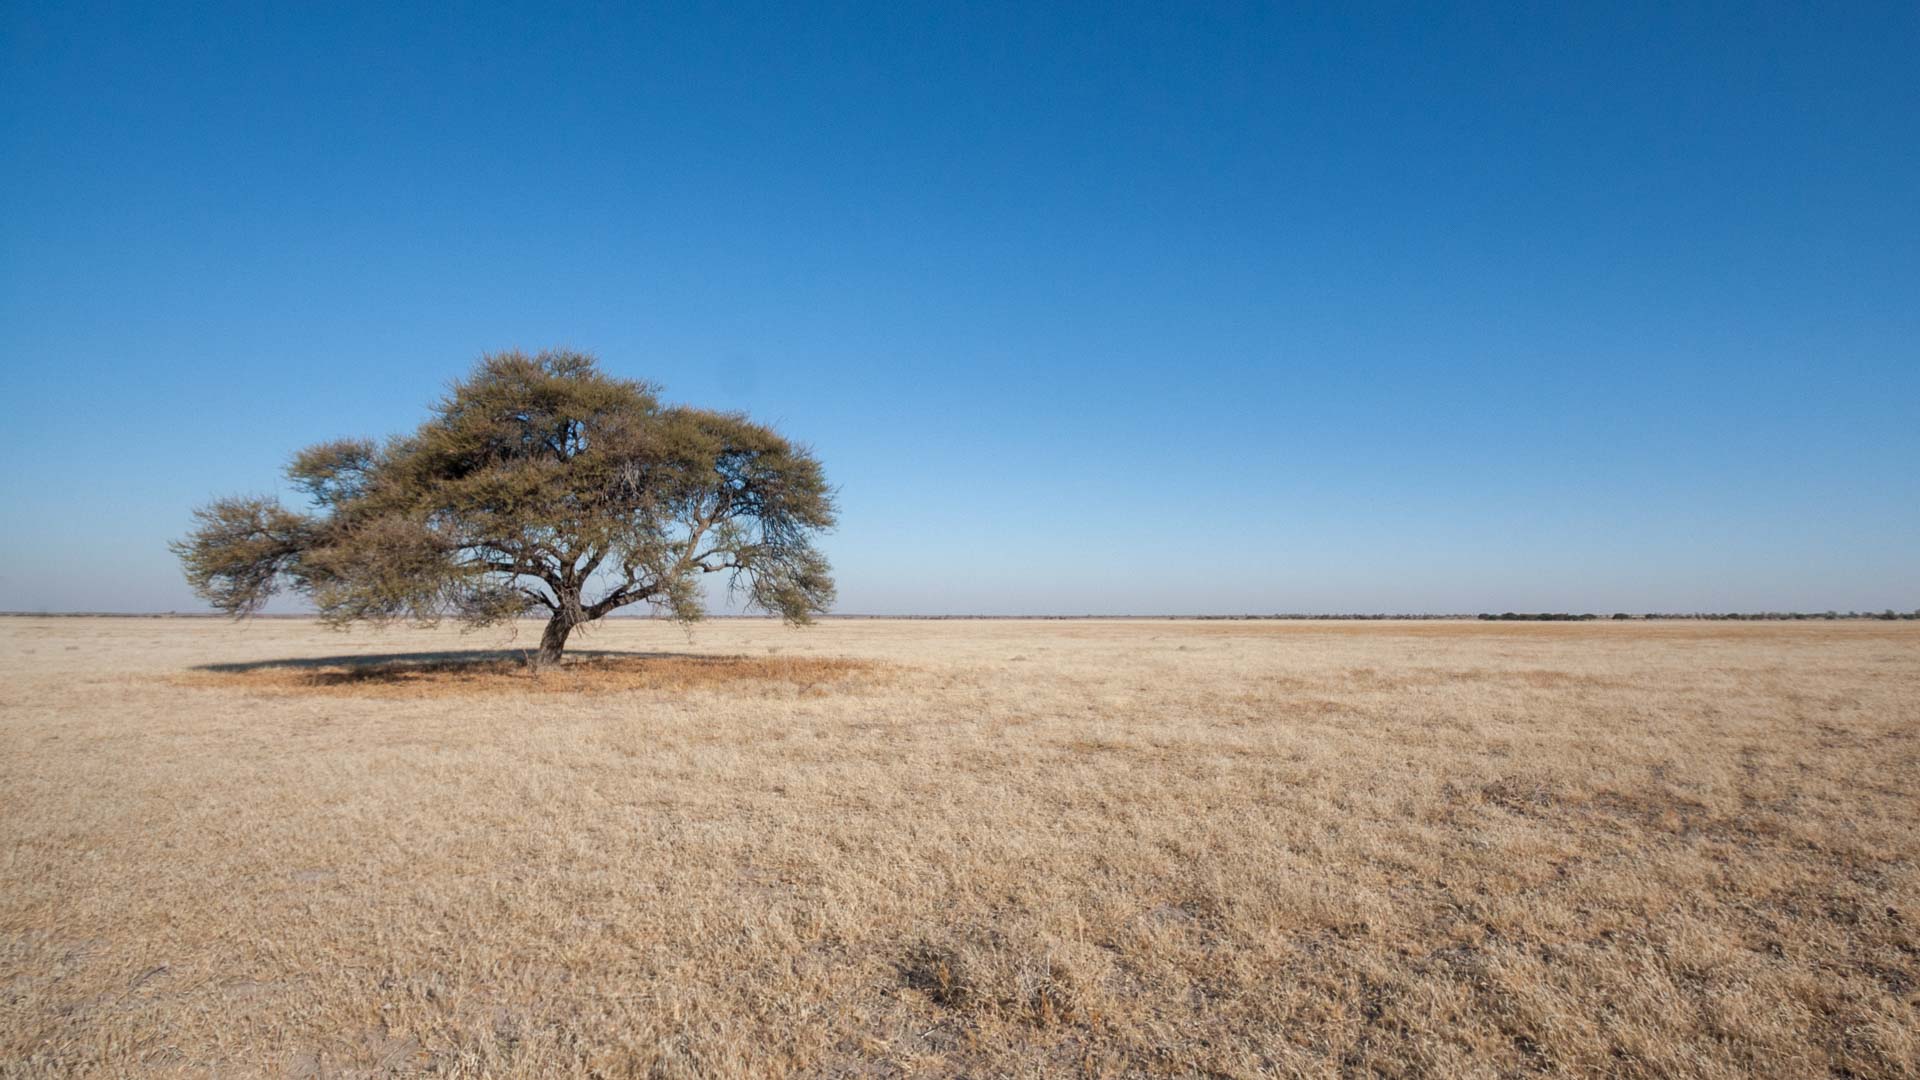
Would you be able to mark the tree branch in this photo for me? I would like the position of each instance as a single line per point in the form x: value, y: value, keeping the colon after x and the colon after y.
x: 621, y: 597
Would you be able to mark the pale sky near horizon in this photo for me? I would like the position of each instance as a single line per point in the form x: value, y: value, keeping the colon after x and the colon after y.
x: 1108, y: 309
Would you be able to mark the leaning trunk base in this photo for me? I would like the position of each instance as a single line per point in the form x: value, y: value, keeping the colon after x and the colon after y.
x: 553, y: 641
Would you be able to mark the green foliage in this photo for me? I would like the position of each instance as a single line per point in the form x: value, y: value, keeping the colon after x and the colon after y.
x: 240, y: 549
x: 540, y: 483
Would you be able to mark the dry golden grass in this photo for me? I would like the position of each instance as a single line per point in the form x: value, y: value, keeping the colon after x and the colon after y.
x: 990, y: 848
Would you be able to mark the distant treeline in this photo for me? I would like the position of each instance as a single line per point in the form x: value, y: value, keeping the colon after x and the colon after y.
x: 1505, y: 616
x: 1736, y: 616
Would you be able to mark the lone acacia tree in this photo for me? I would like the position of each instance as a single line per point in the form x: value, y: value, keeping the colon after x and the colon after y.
x: 539, y: 483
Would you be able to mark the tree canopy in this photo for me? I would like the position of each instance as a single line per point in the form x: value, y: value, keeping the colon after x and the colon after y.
x: 539, y: 484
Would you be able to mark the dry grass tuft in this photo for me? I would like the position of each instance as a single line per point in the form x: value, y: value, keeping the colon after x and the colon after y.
x: 378, y: 677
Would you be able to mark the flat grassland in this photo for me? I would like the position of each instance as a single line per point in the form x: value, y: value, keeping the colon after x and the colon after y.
x: 873, y: 848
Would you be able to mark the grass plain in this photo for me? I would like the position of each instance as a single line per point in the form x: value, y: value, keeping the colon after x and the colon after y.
x: 985, y: 848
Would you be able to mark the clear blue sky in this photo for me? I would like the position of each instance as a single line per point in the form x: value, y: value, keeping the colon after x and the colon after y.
x: 1195, y: 308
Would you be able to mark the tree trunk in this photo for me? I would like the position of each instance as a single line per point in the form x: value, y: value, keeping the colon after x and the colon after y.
x: 553, y: 640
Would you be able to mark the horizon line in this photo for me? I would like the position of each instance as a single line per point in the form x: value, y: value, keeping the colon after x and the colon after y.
x: 1882, y: 615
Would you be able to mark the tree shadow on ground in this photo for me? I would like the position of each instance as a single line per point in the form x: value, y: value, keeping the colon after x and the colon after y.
x: 449, y: 658
x: 488, y: 670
